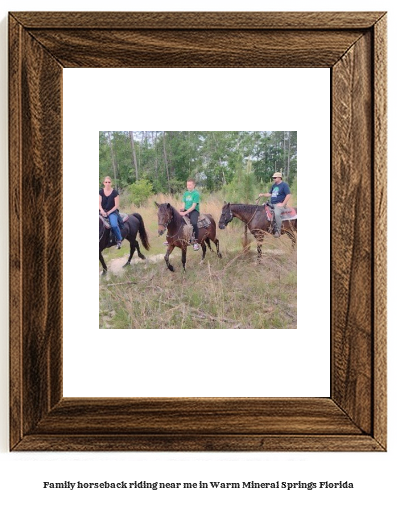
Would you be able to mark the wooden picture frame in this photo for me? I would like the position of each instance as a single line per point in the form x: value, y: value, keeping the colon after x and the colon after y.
x: 353, y: 46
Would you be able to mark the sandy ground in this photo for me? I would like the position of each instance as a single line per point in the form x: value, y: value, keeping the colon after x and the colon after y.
x: 116, y: 265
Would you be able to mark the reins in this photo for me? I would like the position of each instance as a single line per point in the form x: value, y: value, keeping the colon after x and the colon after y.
x: 104, y: 228
x: 252, y: 217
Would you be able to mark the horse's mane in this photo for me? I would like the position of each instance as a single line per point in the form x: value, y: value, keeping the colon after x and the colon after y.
x: 247, y: 207
x: 175, y: 212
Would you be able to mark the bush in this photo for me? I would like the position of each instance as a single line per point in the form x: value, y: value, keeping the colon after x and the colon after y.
x: 140, y: 191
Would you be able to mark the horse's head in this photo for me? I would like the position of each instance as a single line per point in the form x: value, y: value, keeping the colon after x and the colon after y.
x: 164, y: 216
x: 226, y: 216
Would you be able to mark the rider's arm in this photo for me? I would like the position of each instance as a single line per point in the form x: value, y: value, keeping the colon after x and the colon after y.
x: 287, y: 198
x: 192, y: 207
x: 100, y: 205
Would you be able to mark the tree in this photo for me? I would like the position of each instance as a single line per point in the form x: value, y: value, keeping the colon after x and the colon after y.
x: 134, y: 155
x: 214, y: 158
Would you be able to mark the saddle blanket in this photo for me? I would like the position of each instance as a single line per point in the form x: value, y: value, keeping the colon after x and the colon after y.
x: 106, y: 222
x: 202, y: 222
x: 288, y: 214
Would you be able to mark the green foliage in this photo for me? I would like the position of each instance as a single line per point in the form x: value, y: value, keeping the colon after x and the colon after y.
x: 244, y: 187
x: 216, y: 159
x: 140, y: 191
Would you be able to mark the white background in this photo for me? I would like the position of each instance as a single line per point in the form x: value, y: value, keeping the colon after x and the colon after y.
x: 236, y: 362
x: 22, y: 474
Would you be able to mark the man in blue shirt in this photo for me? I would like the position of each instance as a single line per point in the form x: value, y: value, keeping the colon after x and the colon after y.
x: 280, y: 194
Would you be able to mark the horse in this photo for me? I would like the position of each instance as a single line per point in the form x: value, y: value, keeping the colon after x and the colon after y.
x: 258, y: 221
x: 169, y: 219
x: 130, y: 229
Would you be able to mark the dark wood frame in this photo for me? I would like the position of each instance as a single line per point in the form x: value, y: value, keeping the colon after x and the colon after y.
x: 353, y: 46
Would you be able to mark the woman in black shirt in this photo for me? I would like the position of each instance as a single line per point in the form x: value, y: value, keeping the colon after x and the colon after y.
x: 108, y: 207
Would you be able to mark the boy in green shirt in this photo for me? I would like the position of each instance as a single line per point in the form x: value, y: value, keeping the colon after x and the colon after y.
x: 191, y: 208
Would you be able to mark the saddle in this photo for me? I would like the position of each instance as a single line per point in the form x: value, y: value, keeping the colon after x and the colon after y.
x: 287, y: 214
x: 203, y: 222
x: 106, y: 223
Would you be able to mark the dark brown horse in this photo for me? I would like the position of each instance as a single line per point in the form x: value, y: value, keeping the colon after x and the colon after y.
x: 169, y: 219
x: 256, y: 219
x: 131, y: 227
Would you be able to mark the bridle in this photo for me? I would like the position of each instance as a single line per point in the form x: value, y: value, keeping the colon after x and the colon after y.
x: 168, y: 223
x: 229, y: 218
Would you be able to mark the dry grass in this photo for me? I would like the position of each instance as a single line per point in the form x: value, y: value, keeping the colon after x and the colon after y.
x: 232, y: 292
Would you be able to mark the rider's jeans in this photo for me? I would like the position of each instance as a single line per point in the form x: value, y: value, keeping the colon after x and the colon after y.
x: 113, y: 219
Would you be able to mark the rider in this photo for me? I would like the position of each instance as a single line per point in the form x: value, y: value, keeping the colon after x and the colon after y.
x: 108, y: 207
x: 191, y: 208
x: 280, y: 194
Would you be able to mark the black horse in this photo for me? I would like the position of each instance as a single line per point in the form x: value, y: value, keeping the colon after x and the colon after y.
x: 132, y: 226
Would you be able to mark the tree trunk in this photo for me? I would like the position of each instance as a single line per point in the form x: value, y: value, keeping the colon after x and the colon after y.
x: 154, y: 141
x: 134, y: 154
x: 289, y: 154
x: 166, y: 163
x: 113, y: 157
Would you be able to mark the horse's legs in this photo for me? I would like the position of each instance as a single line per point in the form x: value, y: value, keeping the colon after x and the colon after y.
x: 207, y: 240
x: 259, y: 250
x: 204, y: 249
x: 259, y: 243
x: 184, y: 258
x: 218, y: 253
x: 167, y: 256
x: 105, y: 269
x: 140, y: 255
x: 132, y: 251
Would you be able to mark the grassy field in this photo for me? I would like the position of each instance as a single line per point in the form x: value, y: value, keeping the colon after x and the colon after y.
x: 234, y: 292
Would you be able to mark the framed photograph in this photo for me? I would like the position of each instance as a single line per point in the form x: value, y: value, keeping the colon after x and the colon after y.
x: 353, y: 46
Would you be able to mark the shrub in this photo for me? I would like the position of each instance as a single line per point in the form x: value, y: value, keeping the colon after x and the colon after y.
x: 140, y: 191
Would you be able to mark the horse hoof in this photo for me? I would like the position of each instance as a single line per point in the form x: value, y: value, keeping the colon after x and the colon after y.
x: 126, y: 264
x: 141, y: 257
x: 220, y: 255
x: 171, y: 268
x: 104, y: 273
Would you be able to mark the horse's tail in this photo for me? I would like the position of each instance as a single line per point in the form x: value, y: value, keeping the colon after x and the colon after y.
x: 142, y: 231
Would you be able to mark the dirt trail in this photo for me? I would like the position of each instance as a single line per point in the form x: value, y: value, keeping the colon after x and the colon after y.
x: 116, y: 265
